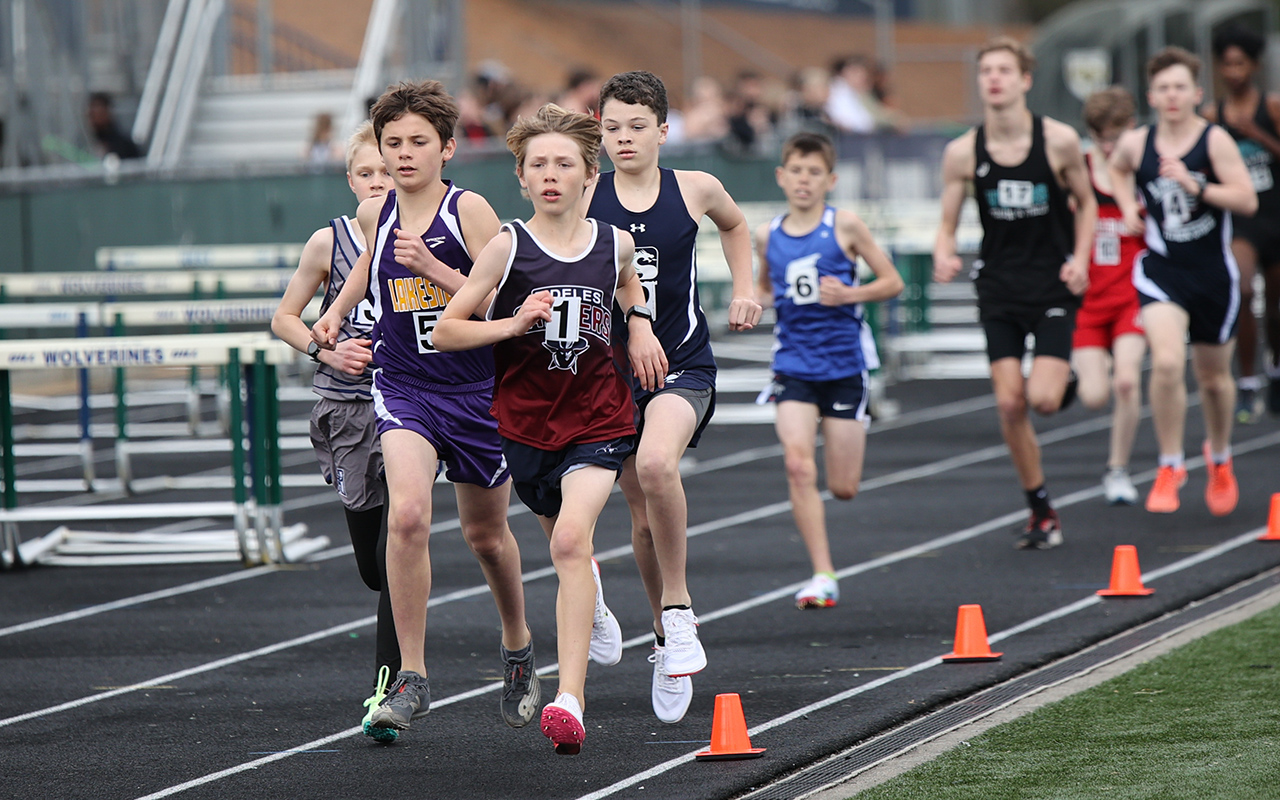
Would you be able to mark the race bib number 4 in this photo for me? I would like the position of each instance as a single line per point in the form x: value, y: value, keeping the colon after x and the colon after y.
x: 424, y: 323
x: 802, y: 280
x: 566, y: 315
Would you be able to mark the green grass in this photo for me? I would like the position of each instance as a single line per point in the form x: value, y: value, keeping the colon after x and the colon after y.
x: 1200, y: 722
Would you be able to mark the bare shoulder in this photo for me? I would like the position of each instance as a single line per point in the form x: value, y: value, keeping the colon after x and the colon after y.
x: 848, y: 222
x: 1273, y: 106
x: 1061, y: 137
x: 470, y: 202
x: 1129, y: 145
x: 367, y: 213
x: 958, y: 158
x: 318, y: 248
x: 699, y: 185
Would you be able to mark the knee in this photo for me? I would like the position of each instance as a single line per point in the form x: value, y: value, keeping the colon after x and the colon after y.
x: 801, y: 470
x: 1011, y: 406
x: 1094, y: 396
x: 408, y: 521
x: 843, y: 490
x: 1126, y: 388
x: 486, y: 540
x: 1045, y: 403
x: 655, y: 472
x: 1167, y: 367
x: 569, y: 546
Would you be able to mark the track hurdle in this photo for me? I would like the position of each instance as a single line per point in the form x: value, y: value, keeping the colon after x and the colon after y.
x: 198, y: 256
x: 258, y: 530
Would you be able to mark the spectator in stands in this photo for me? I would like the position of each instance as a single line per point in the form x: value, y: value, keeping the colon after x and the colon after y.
x: 752, y: 119
x: 808, y: 107
x: 849, y: 97
x: 108, y: 139
x: 321, y: 148
x: 472, y: 124
x: 582, y: 92
x: 706, y: 118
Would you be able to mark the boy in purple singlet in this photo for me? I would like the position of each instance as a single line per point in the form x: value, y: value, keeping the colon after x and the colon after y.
x: 432, y: 407
x: 556, y: 278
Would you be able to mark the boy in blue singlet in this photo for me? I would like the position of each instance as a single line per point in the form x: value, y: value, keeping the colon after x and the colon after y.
x: 342, y: 422
x: 1192, y: 179
x: 432, y: 407
x: 661, y: 209
x: 809, y: 273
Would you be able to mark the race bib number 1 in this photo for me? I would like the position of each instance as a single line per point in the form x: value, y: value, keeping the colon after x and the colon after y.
x: 802, y: 280
x: 566, y: 314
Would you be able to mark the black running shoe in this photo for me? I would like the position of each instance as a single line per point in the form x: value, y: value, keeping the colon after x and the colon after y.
x: 1069, y: 393
x: 1041, y: 533
x: 409, y: 698
x: 521, y: 689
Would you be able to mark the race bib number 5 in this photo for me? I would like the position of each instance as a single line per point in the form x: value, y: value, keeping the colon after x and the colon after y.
x: 424, y: 324
x: 802, y: 280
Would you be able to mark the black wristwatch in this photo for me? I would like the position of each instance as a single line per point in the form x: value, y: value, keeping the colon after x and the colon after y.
x: 639, y: 311
x: 313, y: 351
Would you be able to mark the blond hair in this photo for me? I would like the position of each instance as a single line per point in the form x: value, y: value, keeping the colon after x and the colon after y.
x: 583, y: 129
x: 363, y: 136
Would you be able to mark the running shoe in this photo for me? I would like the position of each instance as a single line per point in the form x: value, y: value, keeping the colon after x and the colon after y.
x: 1070, y: 391
x: 1221, y: 493
x: 379, y: 692
x: 521, y: 689
x: 1042, y: 532
x: 409, y: 698
x: 671, y: 695
x: 606, y: 633
x: 1119, y: 488
x: 1163, y: 497
x: 1246, y: 408
x: 685, y: 655
x: 821, y: 591
x: 562, y: 724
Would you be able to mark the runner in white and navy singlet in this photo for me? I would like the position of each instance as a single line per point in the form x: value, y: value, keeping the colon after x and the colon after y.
x: 1188, y: 259
x: 329, y: 382
x: 806, y: 349
x: 444, y: 397
x: 666, y: 262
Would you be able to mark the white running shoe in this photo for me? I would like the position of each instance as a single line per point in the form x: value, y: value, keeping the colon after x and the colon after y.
x: 685, y: 655
x: 1119, y: 489
x: 671, y: 695
x: 821, y: 591
x: 606, y: 633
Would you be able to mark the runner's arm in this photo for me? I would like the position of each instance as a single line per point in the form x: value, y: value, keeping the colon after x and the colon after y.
x: 856, y: 240
x: 457, y: 330
x: 648, y: 360
x: 350, y: 355
x: 735, y: 241
x: 957, y: 170
x: 764, y: 284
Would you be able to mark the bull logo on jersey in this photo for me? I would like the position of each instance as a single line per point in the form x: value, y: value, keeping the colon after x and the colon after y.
x: 565, y: 356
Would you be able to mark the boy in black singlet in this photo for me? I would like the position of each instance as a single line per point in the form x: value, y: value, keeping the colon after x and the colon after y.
x: 1034, y: 262
x: 1250, y: 116
x: 1192, y: 180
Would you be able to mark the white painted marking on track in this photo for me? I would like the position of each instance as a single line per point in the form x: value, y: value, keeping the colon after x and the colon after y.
x: 958, y: 536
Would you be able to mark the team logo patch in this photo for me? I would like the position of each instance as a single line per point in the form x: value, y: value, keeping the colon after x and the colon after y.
x: 983, y: 169
x: 340, y: 482
x: 1055, y: 312
x: 637, y: 227
x: 564, y: 355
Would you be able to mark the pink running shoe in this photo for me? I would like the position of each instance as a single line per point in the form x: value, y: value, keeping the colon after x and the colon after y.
x: 562, y: 724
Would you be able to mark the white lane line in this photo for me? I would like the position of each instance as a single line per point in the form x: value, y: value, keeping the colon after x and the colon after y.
x: 931, y: 414
x: 1071, y: 608
x: 958, y: 536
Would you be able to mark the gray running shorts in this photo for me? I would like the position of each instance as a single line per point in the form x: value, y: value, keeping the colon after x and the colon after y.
x: 345, y: 437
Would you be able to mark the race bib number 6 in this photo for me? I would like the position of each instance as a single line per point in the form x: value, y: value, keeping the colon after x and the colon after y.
x: 566, y: 314
x: 802, y: 280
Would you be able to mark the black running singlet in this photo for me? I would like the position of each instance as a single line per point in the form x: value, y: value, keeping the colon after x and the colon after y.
x: 1262, y: 165
x: 1028, y: 230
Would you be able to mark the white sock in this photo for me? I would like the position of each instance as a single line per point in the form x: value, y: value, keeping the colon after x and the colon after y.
x: 1174, y: 461
x: 1221, y: 458
x: 569, y: 703
x: 1250, y: 383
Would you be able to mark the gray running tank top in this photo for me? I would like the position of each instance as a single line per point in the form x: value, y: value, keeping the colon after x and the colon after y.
x: 329, y: 382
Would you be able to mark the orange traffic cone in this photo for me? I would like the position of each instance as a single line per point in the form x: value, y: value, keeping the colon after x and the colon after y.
x: 729, y: 738
x: 1126, y: 578
x: 971, y: 637
x: 1273, y: 522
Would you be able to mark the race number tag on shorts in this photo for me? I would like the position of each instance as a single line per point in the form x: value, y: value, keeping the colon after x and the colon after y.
x: 1106, y: 250
x: 1016, y: 194
x: 424, y: 323
x: 802, y: 280
x: 566, y: 314
x: 1260, y: 174
x: 361, y: 317
x: 646, y: 264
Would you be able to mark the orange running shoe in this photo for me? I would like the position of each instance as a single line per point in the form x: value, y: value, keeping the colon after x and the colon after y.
x: 1163, y: 498
x: 1222, y: 493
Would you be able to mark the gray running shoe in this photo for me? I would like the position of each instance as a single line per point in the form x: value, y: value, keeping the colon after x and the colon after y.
x: 521, y: 689
x: 409, y: 698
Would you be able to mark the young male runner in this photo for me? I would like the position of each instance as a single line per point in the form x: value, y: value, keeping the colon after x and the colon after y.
x: 342, y: 422
x: 1032, y: 267
x: 1253, y: 120
x: 824, y: 349
x: 432, y: 407
x: 565, y: 413
x: 661, y: 209
x: 1192, y: 179
x: 1109, y: 342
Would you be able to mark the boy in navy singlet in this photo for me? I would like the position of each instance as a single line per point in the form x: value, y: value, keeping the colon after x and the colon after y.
x: 1252, y: 117
x: 342, y: 422
x: 1192, y: 179
x: 1109, y: 343
x: 1032, y: 267
x: 661, y: 209
x: 432, y: 407
x: 565, y: 413
x: 809, y: 273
